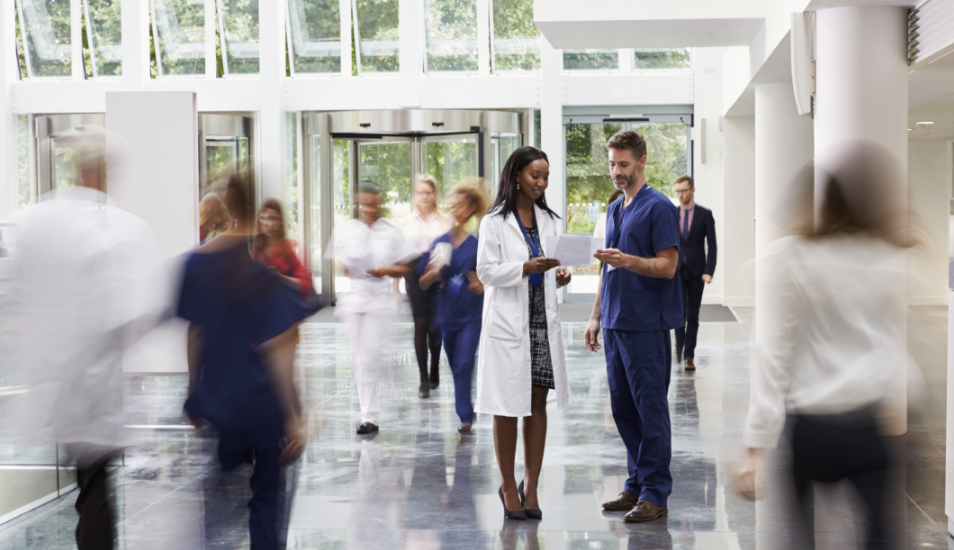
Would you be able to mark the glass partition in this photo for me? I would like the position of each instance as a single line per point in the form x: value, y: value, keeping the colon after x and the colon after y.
x: 104, y: 30
x: 376, y: 35
x: 179, y: 30
x: 502, y: 146
x: 451, y: 35
x: 667, y: 58
x: 238, y: 26
x: 388, y: 165
x: 590, y: 60
x: 46, y: 26
x: 451, y: 160
x: 314, y: 36
x: 515, y: 39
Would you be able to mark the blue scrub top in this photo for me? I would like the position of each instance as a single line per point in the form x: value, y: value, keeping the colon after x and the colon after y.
x: 458, y: 308
x: 633, y: 302
x: 240, y: 305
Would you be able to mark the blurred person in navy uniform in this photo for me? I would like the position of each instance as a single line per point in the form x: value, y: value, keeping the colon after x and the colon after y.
x: 638, y: 304
x: 84, y: 291
x: 452, y: 263
x: 697, y: 262
x: 831, y: 337
x: 241, y: 351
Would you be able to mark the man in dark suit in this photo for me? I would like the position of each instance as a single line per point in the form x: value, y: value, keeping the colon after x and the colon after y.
x: 697, y: 261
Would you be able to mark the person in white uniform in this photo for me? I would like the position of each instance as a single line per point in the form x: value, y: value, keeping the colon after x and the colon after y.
x: 372, y: 251
x: 520, y: 357
x: 83, y: 292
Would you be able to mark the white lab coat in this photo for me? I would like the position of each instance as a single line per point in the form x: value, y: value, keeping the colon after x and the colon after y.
x: 82, y: 293
x: 503, y: 365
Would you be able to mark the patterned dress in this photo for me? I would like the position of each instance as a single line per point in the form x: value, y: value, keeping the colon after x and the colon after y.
x: 540, y: 366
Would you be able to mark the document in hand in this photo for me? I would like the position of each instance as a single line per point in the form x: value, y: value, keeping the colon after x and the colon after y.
x: 572, y: 250
x: 360, y: 265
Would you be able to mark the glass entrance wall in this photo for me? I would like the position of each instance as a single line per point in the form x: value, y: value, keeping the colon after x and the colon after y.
x: 588, y: 181
x: 450, y: 160
x: 225, y: 145
x: 388, y: 148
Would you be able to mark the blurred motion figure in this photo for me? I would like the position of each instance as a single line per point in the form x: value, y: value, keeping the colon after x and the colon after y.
x: 831, y: 336
x: 80, y: 297
x: 241, y: 350
x: 451, y: 265
x: 369, y: 250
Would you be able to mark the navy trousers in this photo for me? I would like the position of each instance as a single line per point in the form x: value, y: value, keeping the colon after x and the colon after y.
x: 638, y: 367
x: 461, y: 349
x: 269, y: 506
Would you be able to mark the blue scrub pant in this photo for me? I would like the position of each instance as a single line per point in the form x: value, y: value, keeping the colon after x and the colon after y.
x: 638, y: 368
x: 461, y: 349
x: 269, y: 506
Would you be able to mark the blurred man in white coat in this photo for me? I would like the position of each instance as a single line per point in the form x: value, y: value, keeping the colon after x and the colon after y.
x: 80, y: 297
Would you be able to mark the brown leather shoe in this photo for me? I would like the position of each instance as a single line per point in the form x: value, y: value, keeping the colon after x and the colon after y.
x: 689, y: 364
x: 645, y: 511
x: 624, y: 501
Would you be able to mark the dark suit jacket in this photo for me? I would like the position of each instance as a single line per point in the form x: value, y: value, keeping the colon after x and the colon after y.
x: 692, y: 250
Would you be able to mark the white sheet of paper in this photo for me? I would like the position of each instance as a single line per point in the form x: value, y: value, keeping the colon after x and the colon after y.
x: 572, y: 250
x: 360, y: 265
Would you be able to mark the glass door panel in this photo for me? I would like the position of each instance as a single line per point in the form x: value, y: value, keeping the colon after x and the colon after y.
x: 342, y: 176
x: 588, y: 186
x: 387, y: 164
x: 451, y: 160
x: 503, y: 145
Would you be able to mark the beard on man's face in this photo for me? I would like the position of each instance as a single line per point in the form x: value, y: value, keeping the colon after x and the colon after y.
x: 623, y: 182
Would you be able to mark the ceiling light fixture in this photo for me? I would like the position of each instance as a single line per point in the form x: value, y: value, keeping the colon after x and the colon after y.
x: 924, y: 124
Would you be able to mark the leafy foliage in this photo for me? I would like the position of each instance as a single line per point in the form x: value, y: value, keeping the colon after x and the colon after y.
x: 587, y: 176
x: 669, y: 58
x: 377, y: 24
x: 516, y: 44
x: 590, y: 60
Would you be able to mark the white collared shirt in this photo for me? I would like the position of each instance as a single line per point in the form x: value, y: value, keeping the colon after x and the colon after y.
x: 420, y: 232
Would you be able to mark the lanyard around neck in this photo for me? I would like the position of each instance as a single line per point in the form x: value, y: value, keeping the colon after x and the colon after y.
x: 536, y: 279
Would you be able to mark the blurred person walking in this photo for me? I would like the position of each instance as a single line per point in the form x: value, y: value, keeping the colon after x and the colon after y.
x: 697, y: 262
x: 241, y: 351
x: 83, y: 292
x: 638, y: 304
x: 272, y: 249
x: 520, y: 356
x: 213, y: 218
x: 451, y: 265
x: 831, y: 338
x: 421, y: 227
x: 369, y: 249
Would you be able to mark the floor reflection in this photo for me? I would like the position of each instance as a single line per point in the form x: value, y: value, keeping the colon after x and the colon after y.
x: 418, y: 484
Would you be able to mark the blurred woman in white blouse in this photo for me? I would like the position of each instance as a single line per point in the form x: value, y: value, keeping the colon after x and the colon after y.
x: 830, y: 335
x: 424, y: 224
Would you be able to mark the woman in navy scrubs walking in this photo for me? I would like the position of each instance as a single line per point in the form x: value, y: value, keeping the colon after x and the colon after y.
x: 461, y: 300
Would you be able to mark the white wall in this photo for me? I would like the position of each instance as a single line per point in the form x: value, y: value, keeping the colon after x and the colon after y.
x: 709, y: 178
x: 929, y: 193
x: 739, y: 197
x: 158, y: 181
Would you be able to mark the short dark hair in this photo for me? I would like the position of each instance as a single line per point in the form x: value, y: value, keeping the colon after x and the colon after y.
x: 368, y: 187
x: 681, y: 179
x: 628, y: 139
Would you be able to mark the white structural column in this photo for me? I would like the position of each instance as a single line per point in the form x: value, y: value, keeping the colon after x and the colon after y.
x: 271, y: 122
x: 862, y: 96
x: 783, y: 156
x: 783, y: 195
x: 8, y: 121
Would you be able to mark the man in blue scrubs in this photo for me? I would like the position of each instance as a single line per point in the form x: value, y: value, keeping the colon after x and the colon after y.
x: 638, y: 304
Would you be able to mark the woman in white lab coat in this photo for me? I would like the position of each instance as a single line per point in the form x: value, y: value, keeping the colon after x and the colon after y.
x: 520, y: 358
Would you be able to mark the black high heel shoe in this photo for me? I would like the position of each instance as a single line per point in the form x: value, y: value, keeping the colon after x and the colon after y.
x: 518, y: 514
x: 534, y: 513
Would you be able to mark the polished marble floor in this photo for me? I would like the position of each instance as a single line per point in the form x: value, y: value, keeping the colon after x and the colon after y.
x: 420, y: 485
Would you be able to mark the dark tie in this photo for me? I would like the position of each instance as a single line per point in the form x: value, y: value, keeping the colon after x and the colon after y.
x: 685, y: 234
